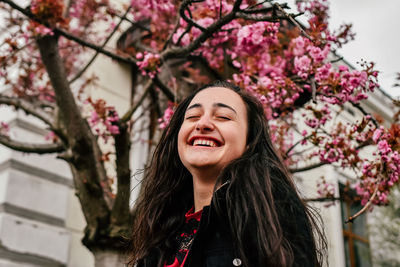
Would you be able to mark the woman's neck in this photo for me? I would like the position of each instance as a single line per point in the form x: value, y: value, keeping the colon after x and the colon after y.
x: 203, y: 188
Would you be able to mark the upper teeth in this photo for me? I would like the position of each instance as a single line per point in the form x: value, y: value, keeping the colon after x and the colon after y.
x: 204, y: 142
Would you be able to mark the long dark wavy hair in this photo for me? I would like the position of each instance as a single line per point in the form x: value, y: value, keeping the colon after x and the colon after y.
x: 270, y: 224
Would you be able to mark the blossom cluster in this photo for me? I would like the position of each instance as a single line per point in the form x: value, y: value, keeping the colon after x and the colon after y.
x: 49, y: 11
x: 325, y: 189
x: 382, y: 173
x: 166, y: 118
x: 148, y: 63
x: 286, y: 73
x: 103, y: 119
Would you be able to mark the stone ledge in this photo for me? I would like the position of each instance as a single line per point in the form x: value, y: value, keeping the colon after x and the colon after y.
x: 30, y: 214
x: 38, y: 172
x: 21, y: 236
x: 32, y: 259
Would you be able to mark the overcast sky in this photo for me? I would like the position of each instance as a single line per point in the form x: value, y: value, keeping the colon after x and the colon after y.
x: 377, y: 27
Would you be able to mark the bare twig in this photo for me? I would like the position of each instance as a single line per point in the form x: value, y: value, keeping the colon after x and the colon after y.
x: 360, y: 108
x: 252, y: 7
x: 351, y: 218
x: 14, y: 52
x: 296, y: 144
x: 260, y: 17
x: 127, y: 116
x: 290, y: 17
x: 188, y: 28
x: 336, y: 60
x: 307, y: 168
x: 177, y: 24
x: 313, y: 90
x: 322, y: 199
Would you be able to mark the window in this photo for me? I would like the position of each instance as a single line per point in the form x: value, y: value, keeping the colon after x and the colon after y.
x: 355, y: 234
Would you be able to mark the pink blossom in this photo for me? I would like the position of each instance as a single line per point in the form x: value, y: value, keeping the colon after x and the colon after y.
x: 41, y: 30
x: 185, y: 40
x: 384, y: 147
x: 205, y: 22
x: 313, y: 123
x: 343, y: 68
x: 323, y: 72
x: 164, y: 121
x: 150, y: 64
x: 236, y: 64
x: 299, y: 45
x: 330, y: 156
x: 112, y: 129
x: 377, y: 134
x: 302, y: 66
x: 318, y: 54
x: 325, y: 189
x: 94, y: 118
x: 251, y: 38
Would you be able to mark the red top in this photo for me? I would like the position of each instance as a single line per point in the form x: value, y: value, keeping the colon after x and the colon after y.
x: 185, y: 239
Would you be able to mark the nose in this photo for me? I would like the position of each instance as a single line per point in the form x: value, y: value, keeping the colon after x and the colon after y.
x: 204, y: 124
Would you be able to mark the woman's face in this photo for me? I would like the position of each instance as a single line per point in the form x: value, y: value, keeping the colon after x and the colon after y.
x: 214, y: 130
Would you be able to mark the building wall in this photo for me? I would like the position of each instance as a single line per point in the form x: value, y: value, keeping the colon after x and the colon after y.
x: 33, y: 202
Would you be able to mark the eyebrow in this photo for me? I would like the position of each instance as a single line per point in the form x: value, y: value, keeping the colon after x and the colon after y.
x: 218, y: 105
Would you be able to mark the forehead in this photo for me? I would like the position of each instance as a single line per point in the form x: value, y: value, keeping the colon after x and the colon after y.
x: 213, y: 95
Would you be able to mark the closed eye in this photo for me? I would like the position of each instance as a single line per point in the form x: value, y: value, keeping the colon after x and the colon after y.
x: 224, y: 118
x: 192, y: 117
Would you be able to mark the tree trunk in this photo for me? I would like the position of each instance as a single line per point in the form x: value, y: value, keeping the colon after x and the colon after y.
x: 109, y: 258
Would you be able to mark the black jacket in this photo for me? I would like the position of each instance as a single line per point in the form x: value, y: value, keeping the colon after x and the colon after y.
x: 213, y: 245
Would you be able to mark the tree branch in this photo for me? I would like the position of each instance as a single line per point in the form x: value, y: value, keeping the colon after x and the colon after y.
x: 84, y: 147
x: 190, y: 21
x: 322, y: 199
x: 296, y: 144
x: 259, y: 17
x: 79, y: 74
x: 360, y: 108
x: 351, y: 218
x: 127, y: 116
x: 99, y: 49
x: 307, y: 168
x: 204, y: 63
x: 74, y: 38
x: 167, y: 92
x: 207, y: 32
x: 291, y: 18
x: 120, y: 214
x: 29, y: 108
x: 31, y: 148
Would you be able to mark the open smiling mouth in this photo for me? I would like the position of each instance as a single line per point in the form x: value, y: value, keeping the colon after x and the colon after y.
x: 205, y: 143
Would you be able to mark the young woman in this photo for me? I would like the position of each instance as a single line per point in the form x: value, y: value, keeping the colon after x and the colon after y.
x: 217, y: 194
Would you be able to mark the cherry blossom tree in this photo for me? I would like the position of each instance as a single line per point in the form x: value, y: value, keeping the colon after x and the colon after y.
x: 173, y: 47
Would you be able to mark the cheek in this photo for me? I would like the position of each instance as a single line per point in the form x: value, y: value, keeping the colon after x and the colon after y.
x: 239, y: 141
x: 182, y: 137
